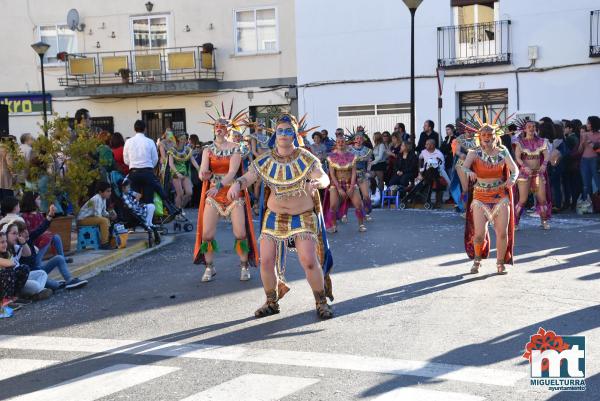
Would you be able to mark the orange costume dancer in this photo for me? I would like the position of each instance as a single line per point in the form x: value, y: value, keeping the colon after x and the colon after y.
x: 221, y: 165
x: 494, y: 173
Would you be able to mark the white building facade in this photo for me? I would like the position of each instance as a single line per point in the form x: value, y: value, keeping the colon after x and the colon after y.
x: 535, y: 57
x: 146, y: 60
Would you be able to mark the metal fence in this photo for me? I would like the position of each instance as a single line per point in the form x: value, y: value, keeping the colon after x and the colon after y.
x: 140, y: 66
x: 474, y: 45
x: 595, y: 33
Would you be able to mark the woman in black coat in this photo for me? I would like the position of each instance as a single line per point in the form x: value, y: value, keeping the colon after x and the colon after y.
x: 406, y: 168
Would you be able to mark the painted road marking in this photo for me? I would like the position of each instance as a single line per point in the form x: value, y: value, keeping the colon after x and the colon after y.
x: 416, y: 394
x: 358, y: 363
x: 98, y: 384
x: 12, y: 367
x: 254, y: 387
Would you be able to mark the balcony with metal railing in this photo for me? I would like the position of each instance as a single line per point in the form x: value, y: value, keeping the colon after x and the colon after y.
x: 595, y: 33
x: 476, y: 45
x: 136, y: 72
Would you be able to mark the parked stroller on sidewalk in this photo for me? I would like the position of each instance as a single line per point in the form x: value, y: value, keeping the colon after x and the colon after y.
x: 421, y: 191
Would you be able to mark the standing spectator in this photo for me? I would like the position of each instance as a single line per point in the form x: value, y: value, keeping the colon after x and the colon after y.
x: 428, y: 133
x: 329, y: 143
x: 25, y: 147
x: 117, y: 143
x: 572, y: 182
x: 577, y: 126
x: 446, y: 147
x: 508, y: 138
x: 589, y: 146
x: 392, y: 155
x: 318, y: 148
x: 94, y: 213
x: 400, y: 128
x: 105, y: 155
x: 197, y: 155
x: 556, y: 167
x: 6, y: 175
x: 379, y: 163
x: 141, y: 156
x: 83, y: 119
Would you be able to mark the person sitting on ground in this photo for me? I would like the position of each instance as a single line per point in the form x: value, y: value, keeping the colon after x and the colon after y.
x: 11, y: 280
x: 30, y: 206
x: 35, y: 284
x: 10, y: 209
x: 94, y: 213
x: 35, y: 263
x: 144, y: 212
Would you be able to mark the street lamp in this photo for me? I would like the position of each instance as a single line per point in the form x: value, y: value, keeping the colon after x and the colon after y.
x: 412, y: 6
x: 41, y: 48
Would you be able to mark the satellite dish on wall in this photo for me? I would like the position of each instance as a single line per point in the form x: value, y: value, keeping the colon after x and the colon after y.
x: 73, y: 21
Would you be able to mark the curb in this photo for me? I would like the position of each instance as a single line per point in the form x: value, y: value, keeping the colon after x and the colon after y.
x: 117, y: 258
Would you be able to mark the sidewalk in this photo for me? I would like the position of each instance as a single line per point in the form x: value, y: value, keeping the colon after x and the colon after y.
x: 88, y: 261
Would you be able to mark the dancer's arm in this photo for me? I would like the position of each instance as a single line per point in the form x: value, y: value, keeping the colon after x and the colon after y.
x: 242, y: 183
x: 467, y: 166
x: 204, y: 172
x: 546, y: 155
x: 318, y: 178
x: 514, y: 170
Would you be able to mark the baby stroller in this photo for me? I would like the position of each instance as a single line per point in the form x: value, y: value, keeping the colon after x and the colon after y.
x: 421, y: 190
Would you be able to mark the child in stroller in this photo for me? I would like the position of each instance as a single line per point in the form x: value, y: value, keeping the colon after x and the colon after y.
x: 136, y: 213
x: 431, y: 176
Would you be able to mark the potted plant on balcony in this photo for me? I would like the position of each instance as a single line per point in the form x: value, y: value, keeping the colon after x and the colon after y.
x: 207, y: 56
x: 124, y: 73
x: 62, y: 56
x: 61, y: 169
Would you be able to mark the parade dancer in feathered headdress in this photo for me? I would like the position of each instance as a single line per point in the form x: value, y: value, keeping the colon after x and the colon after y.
x: 532, y: 156
x: 493, y: 173
x: 459, y: 183
x: 221, y: 165
x: 290, y: 216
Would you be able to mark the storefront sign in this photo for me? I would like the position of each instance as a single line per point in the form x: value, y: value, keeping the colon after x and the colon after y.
x: 26, y: 104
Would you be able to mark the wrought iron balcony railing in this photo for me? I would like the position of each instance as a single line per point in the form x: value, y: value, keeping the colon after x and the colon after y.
x: 140, y: 66
x: 595, y: 33
x: 474, y: 45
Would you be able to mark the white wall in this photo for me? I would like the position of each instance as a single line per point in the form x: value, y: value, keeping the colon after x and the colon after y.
x: 357, y: 40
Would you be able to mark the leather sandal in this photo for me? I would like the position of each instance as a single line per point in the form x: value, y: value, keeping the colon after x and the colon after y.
x: 271, y: 306
x: 323, y: 309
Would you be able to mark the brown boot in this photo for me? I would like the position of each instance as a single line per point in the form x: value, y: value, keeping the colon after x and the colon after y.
x: 323, y: 309
x: 271, y: 306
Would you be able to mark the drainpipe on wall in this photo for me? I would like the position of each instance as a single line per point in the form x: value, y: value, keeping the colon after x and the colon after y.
x: 533, y: 55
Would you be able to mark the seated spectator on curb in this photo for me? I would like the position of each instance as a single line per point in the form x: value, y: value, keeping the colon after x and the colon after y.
x: 30, y: 206
x: 34, y: 287
x: 11, y: 279
x: 10, y: 210
x: 58, y: 261
x: 94, y: 213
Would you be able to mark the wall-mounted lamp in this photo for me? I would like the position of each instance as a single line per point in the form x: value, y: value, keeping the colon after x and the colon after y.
x: 90, y: 32
x: 211, y: 26
x: 103, y: 26
x: 208, y: 103
x: 112, y: 35
x: 149, y: 6
x: 97, y: 45
x: 250, y: 95
x: 187, y: 28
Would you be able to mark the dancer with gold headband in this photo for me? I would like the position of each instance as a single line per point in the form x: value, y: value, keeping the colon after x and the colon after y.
x: 459, y: 184
x: 531, y: 154
x: 343, y: 190
x: 363, y: 155
x: 221, y: 165
x: 290, y: 216
x: 494, y: 173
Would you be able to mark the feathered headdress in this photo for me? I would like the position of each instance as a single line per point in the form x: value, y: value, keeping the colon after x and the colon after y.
x: 233, y: 122
x: 298, y: 126
x: 354, y: 133
x: 476, y: 125
x: 255, y: 124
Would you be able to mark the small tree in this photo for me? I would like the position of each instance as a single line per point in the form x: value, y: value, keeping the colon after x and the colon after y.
x: 65, y: 162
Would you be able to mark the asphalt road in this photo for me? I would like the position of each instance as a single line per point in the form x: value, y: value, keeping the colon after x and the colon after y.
x: 410, y: 323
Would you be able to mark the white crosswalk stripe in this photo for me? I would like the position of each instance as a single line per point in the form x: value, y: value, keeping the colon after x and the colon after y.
x: 357, y: 363
x: 98, y: 384
x: 12, y: 367
x: 254, y: 387
x: 416, y: 394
